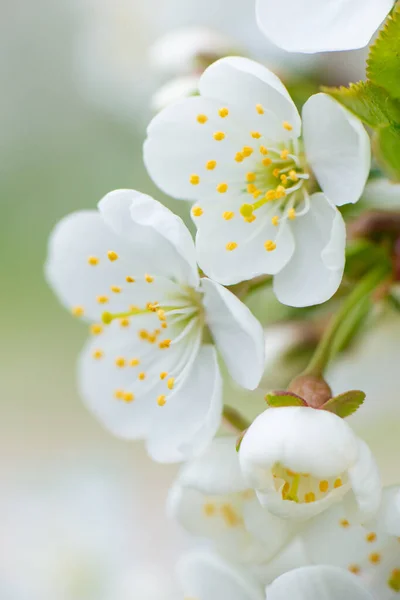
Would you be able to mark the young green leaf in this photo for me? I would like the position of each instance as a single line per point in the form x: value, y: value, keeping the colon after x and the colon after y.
x: 345, y: 404
x: 278, y: 399
x: 383, y: 64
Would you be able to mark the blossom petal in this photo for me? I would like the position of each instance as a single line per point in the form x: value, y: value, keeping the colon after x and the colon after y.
x: 237, y: 333
x: 337, y: 148
x: 205, y: 575
x: 382, y: 194
x: 236, y: 79
x: 315, y: 271
x: 154, y: 231
x: 314, y: 26
x: 366, y: 482
x: 192, y: 415
x: 389, y: 514
x: 315, y: 583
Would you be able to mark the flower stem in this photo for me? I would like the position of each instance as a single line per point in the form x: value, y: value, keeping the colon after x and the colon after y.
x: 234, y: 419
x: 325, y: 349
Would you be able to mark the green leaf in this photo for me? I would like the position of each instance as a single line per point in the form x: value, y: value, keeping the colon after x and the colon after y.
x: 386, y: 146
x: 383, y: 64
x: 276, y: 399
x: 368, y: 102
x: 345, y: 404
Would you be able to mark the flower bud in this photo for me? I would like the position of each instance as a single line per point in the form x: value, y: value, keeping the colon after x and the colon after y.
x: 314, y: 390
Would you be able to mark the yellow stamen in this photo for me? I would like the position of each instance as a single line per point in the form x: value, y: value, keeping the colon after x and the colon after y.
x: 231, y: 246
x: 247, y: 151
x: 292, y: 214
x: 287, y: 126
x: 344, y: 523
x: 163, y: 375
x: 96, y: 329
x: 120, y: 361
x: 129, y: 279
x: 194, y: 179
x: 246, y: 210
x: 116, y: 289
x: 149, y: 278
x: 371, y: 537
x: 280, y: 191
x: 394, y: 580
x: 284, y: 154
x: 112, y: 255
x: 256, y: 135
x: 270, y: 195
x: 275, y: 220
x: 128, y: 397
x: 323, y: 486
x: 228, y: 215
x: 338, y: 483
x: 97, y: 354
x: 355, y: 569
x: 119, y: 394
x: 276, y: 172
x: 251, y: 177
x: 251, y: 188
x: 209, y: 509
x: 374, y: 558
x: 124, y: 322
x: 223, y: 112
x: 310, y: 497
x: 210, y: 166
x: 270, y: 246
x: 239, y: 157
x: 134, y: 362
x: 164, y: 344
x: 78, y: 311
x: 219, y: 136
x: 142, y: 376
x: 202, y: 119
x: 230, y: 516
x: 161, y: 314
x: 93, y: 261
x: 260, y: 109
x: 263, y: 150
x: 222, y: 188
x: 284, y: 179
x: 170, y: 383
x: 161, y: 400
x: 293, y: 176
x: 267, y: 161
x: 197, y: 211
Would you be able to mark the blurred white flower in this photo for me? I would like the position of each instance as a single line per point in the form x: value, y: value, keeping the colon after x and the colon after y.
x: 148, y: 374
x: 301, y: 460
x: 372, y: 553
x: 212, y: 500
x: 315, y: 583
x: 382, y: 194
x: 235, y: 150
x: 175, y: 89
x: 315, y: 26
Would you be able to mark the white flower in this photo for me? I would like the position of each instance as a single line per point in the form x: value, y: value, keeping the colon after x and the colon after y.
x: 382, y: 194
x: 371, y: 552
x: 147, y: 373
x: 318, y: 26
x: 211, y: 500
x: 235, y: 150
x: 317, y: 583
x: 173, y: 90
x: 301, y: 460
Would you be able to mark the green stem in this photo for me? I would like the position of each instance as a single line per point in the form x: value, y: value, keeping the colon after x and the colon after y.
x: 324, y: 350
x: 235, y: 419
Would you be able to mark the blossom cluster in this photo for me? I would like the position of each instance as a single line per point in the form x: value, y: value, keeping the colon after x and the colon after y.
x: 293, y: 503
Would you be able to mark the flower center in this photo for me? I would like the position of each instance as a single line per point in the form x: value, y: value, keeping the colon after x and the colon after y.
x: 302, y: 487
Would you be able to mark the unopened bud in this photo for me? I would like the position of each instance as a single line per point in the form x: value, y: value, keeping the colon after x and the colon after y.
x: 314, y: 390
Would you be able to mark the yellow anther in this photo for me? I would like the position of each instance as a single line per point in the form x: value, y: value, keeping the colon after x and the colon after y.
x: 250, y: 219
x: 134, y: 362
x: 171, y: 383
x: 209, y: 509
x: 78, y: 311
x: 124, y: 322
x: 310, y: 497
x: 292, y: 214
x: 287, y: 126
x: 270, y: 195
x: 222, y: 188
x: 251, y: 177
x: 210, y: 166
x: 275, y: 220
x: 284, y: 154
x: 276, y: 173
x: 256, y: 135
x: 149, y: 278
x: 119, y: 394
x: 164, y: 344
x: 247, y: 151
x: 128, y: 397
x: 394, y: 580
x: 284, y: 179
x: 263, y: 150
x: 280, y: 191
x: 231, y: 246
x: 116, y: 289
x: 161, y: 400
x: 293, y: 175
x: 285, y: 490
x: 260, y: 109
x: 338, y: 483
x: 202, y: 119
x: 239, y: 157
x: 228, y: 215
x: 143, y: 334
x: 257, y: 194
x: 355, y: 569
x: 230, y: 516
x: 161, y: 314
x: 93, y: 261
x: 344, y: 523
x: 97, y: 354
x: 152, y: 306
x: 223, y: 112
x: 251, y: 188
x: 246, y: 210
x: 164, y: 325
x: 219, y: 136
x: 142, y: 376
x: 96, y: 329
x: 194, y: 179
x: 269, y: 245
x: 120, y: 361
x: 163, y: 375
x: 112, y: 255
x: 267, y: 161
x: 371, y: 537
x: 129, y: 279
x: 374, y: 558
x: 323, y: 486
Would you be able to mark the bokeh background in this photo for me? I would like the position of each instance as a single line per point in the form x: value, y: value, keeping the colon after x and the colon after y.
x: 82, y: 513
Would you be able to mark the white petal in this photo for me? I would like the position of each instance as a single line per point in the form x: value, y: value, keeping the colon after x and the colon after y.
x: 337, y: 149
x: 215, y: 471
x: 204, y: 575
x: 186, y: 424
x: 174, y: 90
x: 248, y: 83
x: 382, y: 194
x: 154, y: 232
x: 317, y: 583
x: 237, y: 333
x: 315, y: 271
x: 389, y: 514
x: 366, y: 482
x: 315, y: 26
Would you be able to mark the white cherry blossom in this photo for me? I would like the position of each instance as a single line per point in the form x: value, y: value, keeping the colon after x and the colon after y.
x: 318, y: 26
x: 212, y: 500
x: 301, y: 460
x: 372, y: 552
x: 130, y: 269
x: 236, y: 152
